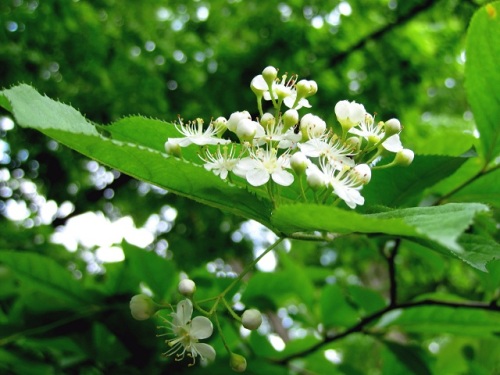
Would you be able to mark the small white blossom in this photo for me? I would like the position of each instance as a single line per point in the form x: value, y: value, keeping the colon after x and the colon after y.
x: 221, y: 163
x: 189, y: 332
x: 284, y: 90
x: 344, y: 184
x: 194, y: 133
x: 349, y: 114
x: 374, y: 133
x: 187, y: 287
x: 312, y: 126
x: 235, y: 118
x: 262, y: 165
x: 330, y: 147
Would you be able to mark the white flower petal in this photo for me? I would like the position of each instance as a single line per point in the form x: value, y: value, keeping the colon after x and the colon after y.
x: 201, y: 328
x: 393, y: 143
x: 184, y: 312
x: 257, y: 177
x: 282, y: 177
x: 205, y: 351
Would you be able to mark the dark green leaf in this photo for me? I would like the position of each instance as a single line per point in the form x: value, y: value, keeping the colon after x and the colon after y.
x: 45, y: 280
x: 335, y: 308
x: 404, y: 186
x: 401, y: 359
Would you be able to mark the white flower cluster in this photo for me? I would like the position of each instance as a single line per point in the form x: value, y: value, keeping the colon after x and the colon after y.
x: 282, y: 147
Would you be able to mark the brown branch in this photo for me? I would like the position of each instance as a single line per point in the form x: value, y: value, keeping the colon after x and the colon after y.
x: 359, y: 327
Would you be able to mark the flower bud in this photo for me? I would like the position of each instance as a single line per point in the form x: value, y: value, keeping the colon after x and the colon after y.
x: 290, y: 118
x: 235, y: 118
x: 173, y: 148
x: 237, y: 362
x: 299, y: 163
x: 142, y: 307
x: 404, y: 157
x: 349, y: 114
x: 391, y: 127
x: 267, y: 120
x: 187, y: 287
x: 270, y: 73
x: 251, y: 319
x: 354, y: 143
x: 246, y: 129
x: 306, y: 88
x: 362, y: 173
x: 259, y: 86
x: 315, y: 179
x: 312, y: 126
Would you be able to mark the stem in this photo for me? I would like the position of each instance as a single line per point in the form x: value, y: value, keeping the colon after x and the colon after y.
x: 393, y: 290
x: 219, y: 328
x: 250, y: 266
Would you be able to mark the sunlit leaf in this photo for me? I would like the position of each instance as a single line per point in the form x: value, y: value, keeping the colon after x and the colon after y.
x: 483, y: 76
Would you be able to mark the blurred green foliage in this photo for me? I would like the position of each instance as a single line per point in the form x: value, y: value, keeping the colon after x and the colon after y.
x: 111, y: 59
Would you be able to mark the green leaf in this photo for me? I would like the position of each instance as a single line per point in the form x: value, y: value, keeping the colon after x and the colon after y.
x: 442, y: 225
x: 46, y: 281
x: 477, y: 250
x: 483, y: 76
x: 404, y: 359
x: 366, y: 299
x: 148, y: 267
x: 335, y: 309
x: 134, y: 147
x: 404, y: 186
x: 485, y: 189
x: 443, y: 319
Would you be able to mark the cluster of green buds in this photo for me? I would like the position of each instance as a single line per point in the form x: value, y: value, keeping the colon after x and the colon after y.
x: 282, y: 149
x: 186, y: 331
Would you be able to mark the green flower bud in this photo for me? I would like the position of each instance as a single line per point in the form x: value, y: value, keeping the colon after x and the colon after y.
x: 392, y: 126
x: 173, y: 148
x: 251, y: 319
x: 267, y: 120
x: 299, y: 163
x: 269, y: 74
x: 404, y: 157
x: 237, y: 362
x: 142, y: 307
x: 290, y: 118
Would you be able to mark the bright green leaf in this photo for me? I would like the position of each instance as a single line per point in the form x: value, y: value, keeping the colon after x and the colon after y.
x: 335, y: 309
x: 442, y: 224
x: 483, y: 76
x: 133, y: 151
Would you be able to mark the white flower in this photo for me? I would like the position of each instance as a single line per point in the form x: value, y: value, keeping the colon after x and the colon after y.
x: 374, y: 133
x: 330, y: 147
x: 349, y: 114
x: 284, y: 90
x: 262, y: 165
x: 221, y: 163
x: 344, y: 184
x: 312, y: 126
x: 235, y: 118
x: 188, y: 333
x: 194, y: 133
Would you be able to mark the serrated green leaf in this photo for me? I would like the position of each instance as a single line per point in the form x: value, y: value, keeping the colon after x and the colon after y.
x: 441, y: 224
x: 44, y: 279
x: 477, y: 250
x: 483, y: 76
x: 131, y: 147
x: 404, y: 186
